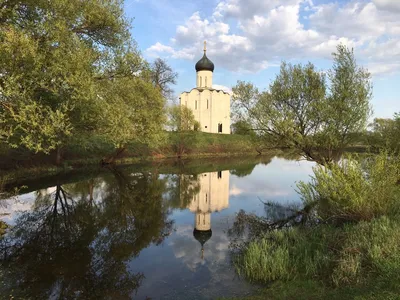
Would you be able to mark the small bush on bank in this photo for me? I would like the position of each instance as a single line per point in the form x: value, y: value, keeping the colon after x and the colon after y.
x: 353, y: 190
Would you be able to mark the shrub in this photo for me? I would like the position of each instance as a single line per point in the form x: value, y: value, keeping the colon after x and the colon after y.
x: 354, y: 190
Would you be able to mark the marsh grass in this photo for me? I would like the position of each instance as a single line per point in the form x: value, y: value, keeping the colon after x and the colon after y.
x: 352, y: 254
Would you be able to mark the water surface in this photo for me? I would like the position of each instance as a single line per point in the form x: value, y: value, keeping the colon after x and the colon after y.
x: 138, y: 232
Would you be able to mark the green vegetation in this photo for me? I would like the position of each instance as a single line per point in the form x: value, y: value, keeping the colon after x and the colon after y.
x: 354, y: 190
x: 71, y: 69
x: 384, y: 134
x: 3, y: 227
x: 88, y: 150
x: 74, y: 89
x: 305, y: 111
x: 182, y: 119
x: 344, y: 243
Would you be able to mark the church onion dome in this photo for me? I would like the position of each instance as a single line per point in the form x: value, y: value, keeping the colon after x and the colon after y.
x: 204, y: 64
x: 202, y: 236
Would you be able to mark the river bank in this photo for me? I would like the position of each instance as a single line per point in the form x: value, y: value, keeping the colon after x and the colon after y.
x: 88, y: 152
x: 241, y: 163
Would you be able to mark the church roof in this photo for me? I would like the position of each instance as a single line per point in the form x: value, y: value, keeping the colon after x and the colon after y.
x: 206, y: 89
x: 204, y: 64
x: 202, y: 236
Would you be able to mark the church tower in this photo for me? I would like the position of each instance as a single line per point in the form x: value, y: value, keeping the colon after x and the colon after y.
x: 213, y: 196
x: 211, y: 107
x: 204, y: 71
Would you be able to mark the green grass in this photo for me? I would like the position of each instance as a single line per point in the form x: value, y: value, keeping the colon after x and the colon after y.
x: 314, y: 290
x: 335, y: 255
x: 201, y: 142
x: 357, y: 261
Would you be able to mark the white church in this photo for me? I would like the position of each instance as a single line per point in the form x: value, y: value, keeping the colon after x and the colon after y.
x: 213, y: 196
x: 211, y: 107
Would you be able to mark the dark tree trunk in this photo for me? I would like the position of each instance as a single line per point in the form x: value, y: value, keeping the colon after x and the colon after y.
x: 110, y: 159
x: 58, y: 156
x: 91, y: 192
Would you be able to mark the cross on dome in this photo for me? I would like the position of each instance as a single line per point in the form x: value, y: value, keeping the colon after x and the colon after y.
x: 204, y: 64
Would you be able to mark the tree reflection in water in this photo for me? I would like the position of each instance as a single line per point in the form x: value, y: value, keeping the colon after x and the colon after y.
x: 76, y: 242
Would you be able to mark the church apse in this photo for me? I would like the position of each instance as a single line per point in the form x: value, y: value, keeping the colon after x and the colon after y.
x: 212, y: 195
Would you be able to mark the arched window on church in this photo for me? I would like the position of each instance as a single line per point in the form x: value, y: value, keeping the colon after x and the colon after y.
x: 201, y: 82
x: 195, y: 104
x: 206, y: 81
x: 207, y: 103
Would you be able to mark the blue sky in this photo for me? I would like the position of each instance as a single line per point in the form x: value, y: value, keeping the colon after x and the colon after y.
x: 247, y: 39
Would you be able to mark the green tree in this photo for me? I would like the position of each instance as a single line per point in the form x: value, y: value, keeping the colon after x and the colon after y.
x: 385, y: 133
x: 132, y: 109
x: 243, y: 127
x: 182, y: 118
x: 302, y: 111
x: 182, y: 189
x: 69, y: 66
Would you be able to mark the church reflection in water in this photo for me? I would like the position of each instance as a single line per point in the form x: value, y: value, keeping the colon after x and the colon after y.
x: 212, y: 195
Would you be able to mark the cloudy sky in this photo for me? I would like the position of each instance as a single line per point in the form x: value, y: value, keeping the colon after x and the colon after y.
x: 247, y: 39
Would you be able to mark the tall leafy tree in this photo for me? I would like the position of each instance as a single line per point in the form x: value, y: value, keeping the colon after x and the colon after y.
x: 385, y: 133
x: 305, y: 111
x: 181, y: 118
x: 59, y: 60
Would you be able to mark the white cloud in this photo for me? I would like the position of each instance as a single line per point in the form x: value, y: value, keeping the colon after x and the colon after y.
x: 354, y: 20
x: 247, y: 9
x: 235, y: 191
x: 158, y: 48
x: 251, y: 35
x: 222, y: 87
x: 188, y: 250
x: 380, y: 68
x: 390, y: 5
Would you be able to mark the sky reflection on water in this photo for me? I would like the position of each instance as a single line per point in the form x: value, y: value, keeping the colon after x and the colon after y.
x: 169, y: 257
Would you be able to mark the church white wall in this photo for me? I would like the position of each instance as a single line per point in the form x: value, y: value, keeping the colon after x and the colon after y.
x: 204, y: 79
x: 213, y: 196
x: 210, y: 108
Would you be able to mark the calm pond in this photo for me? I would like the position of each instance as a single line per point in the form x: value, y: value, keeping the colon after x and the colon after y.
x: 138, y: 232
